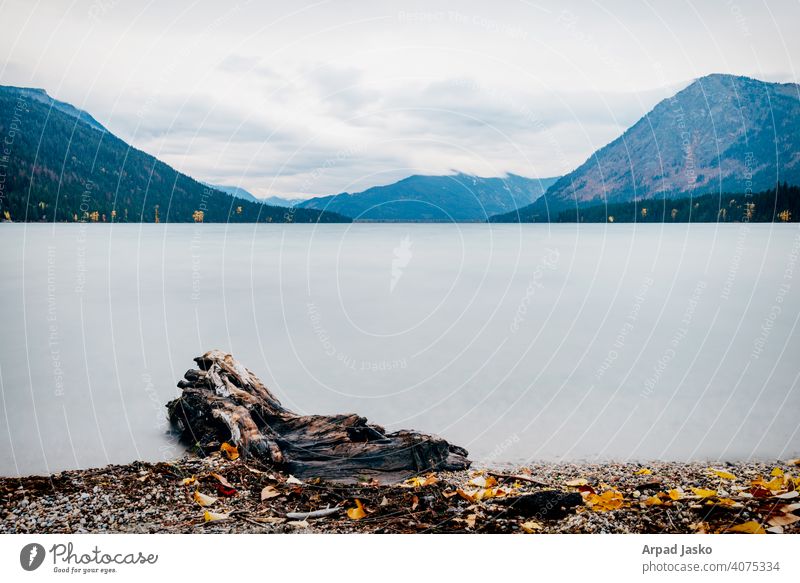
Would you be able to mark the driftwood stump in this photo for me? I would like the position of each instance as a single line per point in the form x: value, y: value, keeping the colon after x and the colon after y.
x: 225, y: 402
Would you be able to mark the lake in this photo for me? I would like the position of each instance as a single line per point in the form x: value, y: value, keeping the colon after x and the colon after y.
x: 624, y: 342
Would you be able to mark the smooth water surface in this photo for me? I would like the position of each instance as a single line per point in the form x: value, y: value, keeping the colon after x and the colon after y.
x: 517, y: 342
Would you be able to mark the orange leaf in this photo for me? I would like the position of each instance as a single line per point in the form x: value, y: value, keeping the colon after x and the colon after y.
x: 358, y: 512
x: 231, y: 451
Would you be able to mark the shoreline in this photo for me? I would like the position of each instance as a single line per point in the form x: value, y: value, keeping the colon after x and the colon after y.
x: 214, y: 494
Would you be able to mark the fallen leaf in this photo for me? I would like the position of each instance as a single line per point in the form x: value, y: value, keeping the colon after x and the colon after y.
x: 384, y: 501
x: 298, y: 523
x: 730, y: 503
x: 209, y: 516
x: 776, y: 472
x: 421, y: 481
x: 775, y: 483
x: 356, y: 513
x: 794, y: 462
x: 471, y: 520
x: 222, y: 485
x: 414, y: 502
x: 775, y: 529
x: 788, y: 495
x: 608, y: 500
x: 483, y: 482
x: 722, y: 474
x: 188, y: 481
x: 653, y: 501
x: 231, y: 451
x: 203, y: 499
x: 468, y: 496
x: 783, y: 519
x: 749, y: 527
x: 577, y: 482
x: 292, y: 480
x: 449, y: 493
x: 675, y: 494
x: 643, y: 472
x: 221, y: 479
x: 704, y: 493
x: 269, y: 492
x: 531, y: 526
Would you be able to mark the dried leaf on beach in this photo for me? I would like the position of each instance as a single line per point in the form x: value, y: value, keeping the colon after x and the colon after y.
x: 209, y: 516
x: 203, y: 499
x: 230, y: 451
x: 722, y: 474
x: 749, y: 527
x: 269, y: 492
x: 357, y: 512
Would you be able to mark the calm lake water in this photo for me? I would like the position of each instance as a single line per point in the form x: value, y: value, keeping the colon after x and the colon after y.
x: 517, y: 342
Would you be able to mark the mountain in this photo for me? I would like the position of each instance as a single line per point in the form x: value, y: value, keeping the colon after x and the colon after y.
x: 236, y: 191
x: 60, y: 164
x: 721, y: 134
x: 280, y: 201
x: 455, y: 197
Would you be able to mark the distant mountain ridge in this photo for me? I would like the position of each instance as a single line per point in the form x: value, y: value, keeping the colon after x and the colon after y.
x: 722, y: 133
x: 60, y: 164
x: 454, y: 197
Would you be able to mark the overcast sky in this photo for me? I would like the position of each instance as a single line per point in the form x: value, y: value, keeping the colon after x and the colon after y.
x: 302, y: 99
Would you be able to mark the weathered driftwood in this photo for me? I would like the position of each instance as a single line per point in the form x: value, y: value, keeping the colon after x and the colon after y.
x: 224, y: 401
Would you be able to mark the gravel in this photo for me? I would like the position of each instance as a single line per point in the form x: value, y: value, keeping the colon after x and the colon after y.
x: 153, y: 498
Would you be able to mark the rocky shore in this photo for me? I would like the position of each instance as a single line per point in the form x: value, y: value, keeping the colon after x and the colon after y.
x: 224, y: 493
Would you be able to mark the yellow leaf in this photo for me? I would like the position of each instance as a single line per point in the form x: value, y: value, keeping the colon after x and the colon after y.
x: 209, y: 516
x: 483, y: 482
x: 203, y: 499
x: 704, y: 493
x: 722, y: 474
x: 577, y: 482
x: 729, y: 502
x: 608, y: 500
x: 421, y: 481
x: 231, y: 451
x: 653, y: 501
x: 269, y: 492
x: 358, y: 512
x: 675, y: 494
x: 749, y: 527
x: 643, y: 472
x: 775, y: 483
x: 188, y: 481
x: 776, y: 472
x: 531, y: 526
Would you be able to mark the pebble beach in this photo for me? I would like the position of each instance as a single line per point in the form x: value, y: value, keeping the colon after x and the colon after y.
x: 220, y: 495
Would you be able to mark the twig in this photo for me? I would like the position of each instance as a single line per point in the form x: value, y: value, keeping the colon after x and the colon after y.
x: 313, y: 514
